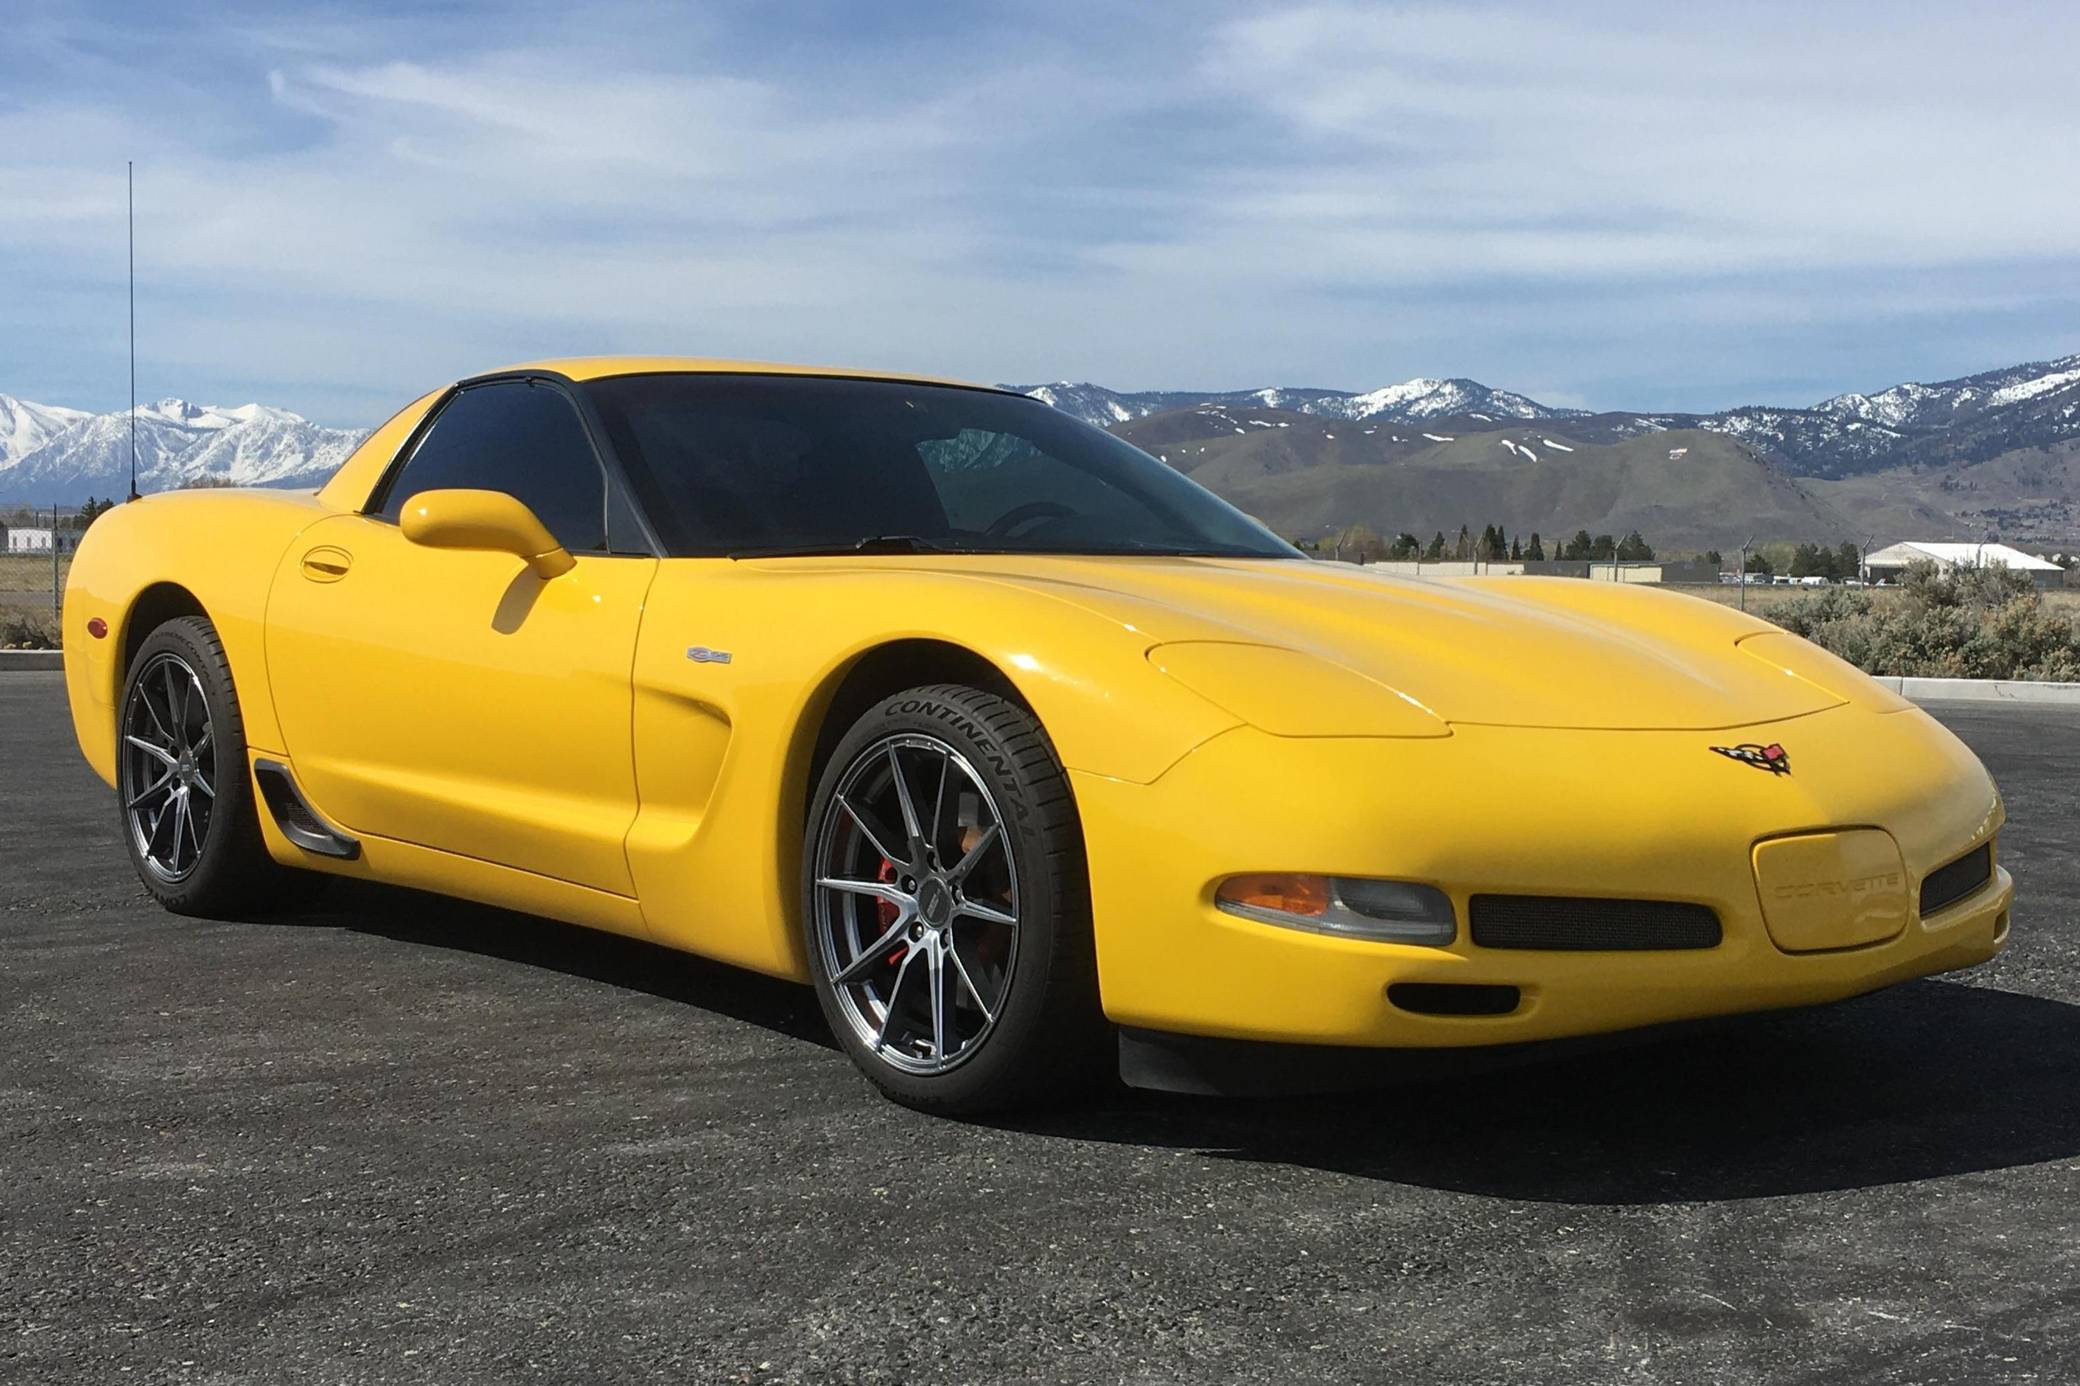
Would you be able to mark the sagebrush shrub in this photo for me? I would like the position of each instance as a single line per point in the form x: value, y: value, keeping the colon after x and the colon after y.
x: 1976, y: 623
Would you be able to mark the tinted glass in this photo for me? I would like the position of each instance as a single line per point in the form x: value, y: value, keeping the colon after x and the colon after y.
x: 520, y: 438
x: 740, y: 464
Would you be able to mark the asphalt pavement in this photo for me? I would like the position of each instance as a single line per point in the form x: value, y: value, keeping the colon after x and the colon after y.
x: 384, y: 1137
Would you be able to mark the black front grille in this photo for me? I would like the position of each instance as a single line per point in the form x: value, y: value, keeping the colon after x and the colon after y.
x: 1567, y: 924
x: 1946, y: 885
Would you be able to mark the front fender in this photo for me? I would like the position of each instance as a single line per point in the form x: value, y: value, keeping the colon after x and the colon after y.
x: 220, y: 548
x: 723, y: 746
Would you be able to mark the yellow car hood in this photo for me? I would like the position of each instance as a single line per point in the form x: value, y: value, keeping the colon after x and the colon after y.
x: 1508, y: 651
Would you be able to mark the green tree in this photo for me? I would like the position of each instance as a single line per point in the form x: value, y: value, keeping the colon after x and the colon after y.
x: 1535, y: 552
x: 1604, y: 548
x: 1581, y: 546
x: 1633, y: 549
x: 1463, y: 550
x: 1356, y: 544
x: 1516, y: 550
x: 87, y: 514
x: 1713, y: 556
x: 1435, y: 552
x: 1848, y: 562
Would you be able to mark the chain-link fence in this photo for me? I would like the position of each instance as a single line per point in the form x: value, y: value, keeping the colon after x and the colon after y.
x: 36, y: 547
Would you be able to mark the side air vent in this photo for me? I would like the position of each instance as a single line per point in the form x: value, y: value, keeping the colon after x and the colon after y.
x: 1946, y: 885
x: 1559, y: 923
x: 293, y: 814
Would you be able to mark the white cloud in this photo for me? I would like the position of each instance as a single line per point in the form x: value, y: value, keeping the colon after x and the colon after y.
x: 1317, y: 194
x: 1546, y: 143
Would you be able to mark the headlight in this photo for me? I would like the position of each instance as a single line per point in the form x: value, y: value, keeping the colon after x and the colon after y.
x: 1345, y: 906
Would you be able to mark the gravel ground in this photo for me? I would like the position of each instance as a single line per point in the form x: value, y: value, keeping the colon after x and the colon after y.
x: 392, y: 1138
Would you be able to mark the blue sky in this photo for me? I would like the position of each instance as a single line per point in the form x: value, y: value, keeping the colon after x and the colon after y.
x: 342, y: 204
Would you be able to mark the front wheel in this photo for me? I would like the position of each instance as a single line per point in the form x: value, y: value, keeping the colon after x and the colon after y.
x: 946, y: 905
x: 187, y: 799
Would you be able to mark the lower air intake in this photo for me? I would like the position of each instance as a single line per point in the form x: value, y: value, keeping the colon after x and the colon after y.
x: 1559, y: 923
x: 1946, y: 885
x: 1453, y: 998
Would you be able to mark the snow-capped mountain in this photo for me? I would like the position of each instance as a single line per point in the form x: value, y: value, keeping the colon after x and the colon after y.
x: 1423, y: 398
x: 50, y: 453
x: 1965, y: 420
x: 1917, y: 406
x: 178, y: 444
x: 1969, y: 419
x: 25, y: 427
x: 1411, y: 400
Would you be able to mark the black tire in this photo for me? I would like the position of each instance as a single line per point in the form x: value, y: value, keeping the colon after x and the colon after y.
x: 230, y: 870
x: 1040, y: 1037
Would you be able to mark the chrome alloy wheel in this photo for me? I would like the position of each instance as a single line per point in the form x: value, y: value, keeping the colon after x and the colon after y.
x: 916, y: 903
x: 168, y: 767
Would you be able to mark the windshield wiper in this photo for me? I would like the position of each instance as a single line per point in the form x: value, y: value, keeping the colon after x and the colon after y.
x: 873, y: 543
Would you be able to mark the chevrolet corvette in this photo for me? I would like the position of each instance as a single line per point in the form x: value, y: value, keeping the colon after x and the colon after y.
x: 1011, y: 740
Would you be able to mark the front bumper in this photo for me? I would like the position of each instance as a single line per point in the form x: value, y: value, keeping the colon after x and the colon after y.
x: 1618, y: 814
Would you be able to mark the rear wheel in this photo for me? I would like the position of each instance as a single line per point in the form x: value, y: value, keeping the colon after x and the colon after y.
x: 186, y: 796
x: 947, y: 912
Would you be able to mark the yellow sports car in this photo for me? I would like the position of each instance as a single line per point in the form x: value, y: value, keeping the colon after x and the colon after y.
x: 1014, y: 742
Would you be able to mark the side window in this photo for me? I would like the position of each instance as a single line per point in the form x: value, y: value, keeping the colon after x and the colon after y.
x: 523, y: 439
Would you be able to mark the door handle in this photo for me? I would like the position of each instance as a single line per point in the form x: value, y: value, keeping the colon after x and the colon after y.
x: 327, y: 564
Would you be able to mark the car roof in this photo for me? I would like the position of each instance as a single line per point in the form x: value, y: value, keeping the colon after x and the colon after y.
x: 351, y: 484
x: 601, y: 367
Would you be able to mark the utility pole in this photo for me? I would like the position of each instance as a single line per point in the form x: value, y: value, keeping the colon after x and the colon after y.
x: 130, y: 182
x: 1743, y: 575
x: 57, y: 593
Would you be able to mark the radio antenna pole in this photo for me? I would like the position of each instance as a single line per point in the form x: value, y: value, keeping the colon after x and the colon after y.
x: 131, y: 174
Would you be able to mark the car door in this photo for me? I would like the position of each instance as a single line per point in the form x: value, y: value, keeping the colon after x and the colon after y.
x: 455, y: 699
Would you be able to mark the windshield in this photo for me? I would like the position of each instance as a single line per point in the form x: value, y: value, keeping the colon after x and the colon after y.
x: 747, y: 465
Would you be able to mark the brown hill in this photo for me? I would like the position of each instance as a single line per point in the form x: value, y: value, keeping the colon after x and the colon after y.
x: 2028, y: 496
x: 1305, y: 475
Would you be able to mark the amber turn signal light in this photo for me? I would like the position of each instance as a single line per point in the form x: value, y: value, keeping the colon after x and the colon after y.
x: 1285, y: 894
x: 1347, y: 906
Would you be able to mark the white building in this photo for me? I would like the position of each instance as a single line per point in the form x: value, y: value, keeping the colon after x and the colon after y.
x: 40, y: 540
x: 1892, y: 561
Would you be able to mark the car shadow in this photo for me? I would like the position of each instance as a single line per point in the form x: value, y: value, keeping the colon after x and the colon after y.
x: 1921, y: 1081
x: 435, y: 921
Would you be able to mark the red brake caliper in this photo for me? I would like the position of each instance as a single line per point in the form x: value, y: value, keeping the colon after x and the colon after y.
x: 885, y: 910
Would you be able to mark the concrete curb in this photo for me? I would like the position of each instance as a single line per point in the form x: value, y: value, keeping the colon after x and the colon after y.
x: 1983, y: 690
x: 39, y: 660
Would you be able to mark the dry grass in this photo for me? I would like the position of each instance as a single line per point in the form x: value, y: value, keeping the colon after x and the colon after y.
x: 27, y: 615
x: 1764, y: 600
x: 1988, y: 624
